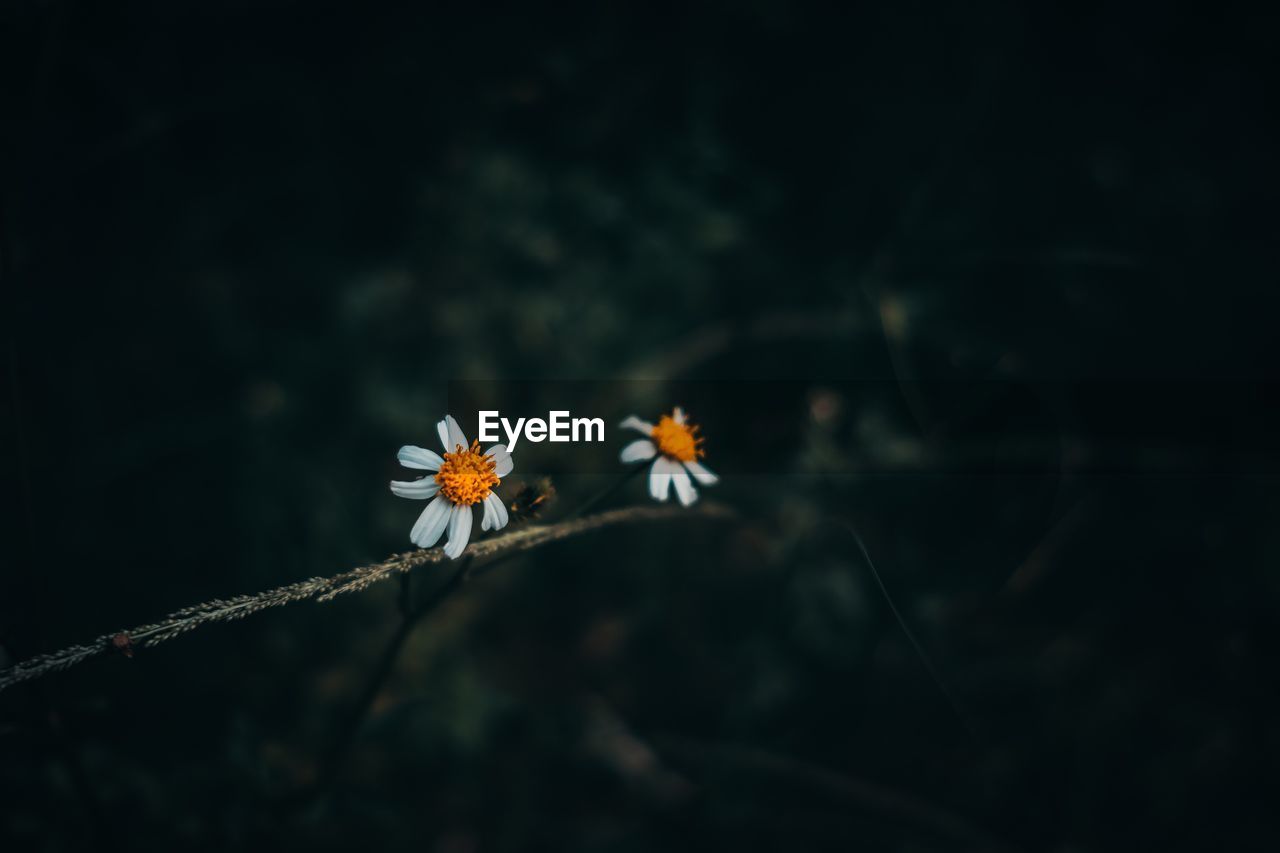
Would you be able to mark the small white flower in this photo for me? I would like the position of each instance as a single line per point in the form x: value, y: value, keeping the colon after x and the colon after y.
x: 463, y: 478
x: 677, y: 446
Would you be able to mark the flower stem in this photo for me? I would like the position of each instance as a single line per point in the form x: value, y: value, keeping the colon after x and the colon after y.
x: 335, y: 756
x: 323, y: 589
x: 606, y: 493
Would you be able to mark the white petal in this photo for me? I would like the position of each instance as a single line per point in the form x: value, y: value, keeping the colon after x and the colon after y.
x: 418, y: 490
x: 486, y: 515
x: 660, y: 478
x: 451, y: 435
x: 701, y: 474
x: 640, y: 449
x: 500, y: 517
x: 502, y: 460
x: 632, y: 422
x: 431, y: 523
x: 684, y: 488
x: 459, y: 531
x: 455, y: 432
x: 677, y: 415
x: 416, y: 457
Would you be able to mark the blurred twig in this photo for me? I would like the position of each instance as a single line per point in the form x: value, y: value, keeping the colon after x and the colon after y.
x: 906, y: 629
x: 600, y: 497
x: 335, y: 755
x: 326, y: 589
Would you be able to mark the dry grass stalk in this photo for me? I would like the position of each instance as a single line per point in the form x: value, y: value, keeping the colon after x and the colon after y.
x: 326, y: 589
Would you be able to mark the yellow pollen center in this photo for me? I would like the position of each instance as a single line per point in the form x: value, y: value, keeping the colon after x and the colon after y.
x: 680, y: 441
x: 466, y: 477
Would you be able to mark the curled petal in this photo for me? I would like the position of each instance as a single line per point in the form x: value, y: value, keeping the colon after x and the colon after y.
x: 431, y: 523
x: 701, y: 474
x: 684, y: 488
x: 660, y: 478
x: 632, y: 422
x: 500, y: 517
x: 459, y: 531
x: 486, y: 513
x: 451, y: 435
x: 416, y: 457
x: 637, y: 450
x: 502, y: 460
x: 418, y: 490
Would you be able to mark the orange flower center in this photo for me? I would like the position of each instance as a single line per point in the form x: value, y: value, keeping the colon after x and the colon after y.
x: 466, y: 477
x: 677, y: 440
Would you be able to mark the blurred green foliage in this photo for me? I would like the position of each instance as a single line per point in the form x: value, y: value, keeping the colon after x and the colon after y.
x: 246, y: 246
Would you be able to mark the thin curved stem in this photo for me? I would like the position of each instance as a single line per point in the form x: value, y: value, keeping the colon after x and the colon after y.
x: 335, y: 756
x: 326, y: 589
x: 605, y: 493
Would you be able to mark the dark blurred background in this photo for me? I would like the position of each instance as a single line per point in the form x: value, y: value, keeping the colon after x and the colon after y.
x: 1012, y: 265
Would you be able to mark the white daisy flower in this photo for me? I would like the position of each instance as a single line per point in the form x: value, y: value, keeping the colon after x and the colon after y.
x: 676, y: 444
x: 463, y: 478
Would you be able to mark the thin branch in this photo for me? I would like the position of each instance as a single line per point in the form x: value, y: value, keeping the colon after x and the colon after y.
x: 326, y: 589
x: 906, y: 629
x: 349, y: 729
x: 608, y: 492
x: 336, y: 754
